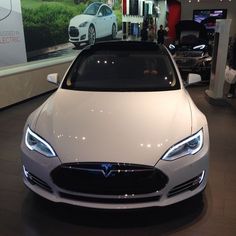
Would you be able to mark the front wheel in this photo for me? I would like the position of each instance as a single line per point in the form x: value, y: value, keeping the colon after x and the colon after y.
x: 76, y: 45
x: 91, y: 35
x: 113, y: 31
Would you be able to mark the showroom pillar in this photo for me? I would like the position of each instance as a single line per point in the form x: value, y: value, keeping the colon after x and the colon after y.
x: 215, y: 91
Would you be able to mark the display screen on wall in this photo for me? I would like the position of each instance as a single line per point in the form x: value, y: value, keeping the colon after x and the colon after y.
x: 49, y: 23
x: 207, y: 16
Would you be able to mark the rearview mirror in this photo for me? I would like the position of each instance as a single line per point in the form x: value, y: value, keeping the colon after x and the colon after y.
x: 53, y: 78
x: 193, y: 78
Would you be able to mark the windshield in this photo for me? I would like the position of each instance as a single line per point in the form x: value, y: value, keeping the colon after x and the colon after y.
x: 92, y: 9
x: 122, y: 71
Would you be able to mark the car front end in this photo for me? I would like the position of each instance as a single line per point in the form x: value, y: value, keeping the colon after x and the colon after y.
x: 78, y: 29
x: 193, y: 59
x: 112, y: 185
x: 117, y: 147
x: 191, y: 49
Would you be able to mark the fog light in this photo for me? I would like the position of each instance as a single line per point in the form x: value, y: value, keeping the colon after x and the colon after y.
x: 26, y: 173
x: 201, y: 177
x: 83, y: 37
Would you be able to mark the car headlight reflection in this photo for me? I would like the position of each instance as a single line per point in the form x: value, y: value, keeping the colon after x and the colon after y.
x: 83, y: 24
x: 202, y: 46
x: 189, y: 146
x: 36, y: 143
x: 171, y: 46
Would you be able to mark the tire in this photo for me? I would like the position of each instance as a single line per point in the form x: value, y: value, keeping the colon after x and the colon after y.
x: 91, y: 35
x: 76, y: 44
x: 113, y: 31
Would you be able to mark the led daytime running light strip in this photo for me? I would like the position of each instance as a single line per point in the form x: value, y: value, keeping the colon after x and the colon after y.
x: 200, y: 134
x: 29, y: 131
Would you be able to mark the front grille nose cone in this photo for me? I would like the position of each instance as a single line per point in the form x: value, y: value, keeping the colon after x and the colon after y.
x: 73, y: 31
x: 109, y: 178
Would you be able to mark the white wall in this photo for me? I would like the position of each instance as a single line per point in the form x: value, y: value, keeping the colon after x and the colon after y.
x: 162, y: 16
x: 12, y: 41
x: 18, y: 83
x: 187, y: 9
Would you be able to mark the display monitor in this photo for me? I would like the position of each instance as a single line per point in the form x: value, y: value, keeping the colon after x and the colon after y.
x: 208, y: 16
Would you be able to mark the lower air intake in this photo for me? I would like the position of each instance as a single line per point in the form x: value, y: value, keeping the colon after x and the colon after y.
x: 189, y: 185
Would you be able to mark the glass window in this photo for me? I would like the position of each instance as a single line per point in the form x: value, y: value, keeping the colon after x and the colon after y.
x: 102, y: 11
x: 122, y: 71
x: 108, y: 11
x: 92, y: 9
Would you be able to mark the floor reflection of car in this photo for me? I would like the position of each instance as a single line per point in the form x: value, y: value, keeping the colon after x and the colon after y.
x: 97, y: 21
x: 192, y: 52
x: 120, y: 132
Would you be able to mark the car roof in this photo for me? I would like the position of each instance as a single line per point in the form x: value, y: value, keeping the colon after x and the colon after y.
x: 97, y: 3
x: 128, y: 46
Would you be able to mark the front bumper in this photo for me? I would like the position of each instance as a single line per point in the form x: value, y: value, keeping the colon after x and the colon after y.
x: 193, y: 64
x: 187, y: 177
x: 78, y: 34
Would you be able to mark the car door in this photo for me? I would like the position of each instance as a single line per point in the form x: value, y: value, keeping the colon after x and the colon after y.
x: 101, y: 22
x: 109, y: 20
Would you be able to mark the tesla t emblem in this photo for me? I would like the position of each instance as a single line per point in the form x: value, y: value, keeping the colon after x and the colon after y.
x: 106, y: 169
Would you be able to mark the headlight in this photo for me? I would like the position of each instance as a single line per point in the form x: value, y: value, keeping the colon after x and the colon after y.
x: 83, y: 24
x: 189, y: 146
x: 202, y: 46
x: 35, y: 143
x: 171, y: 46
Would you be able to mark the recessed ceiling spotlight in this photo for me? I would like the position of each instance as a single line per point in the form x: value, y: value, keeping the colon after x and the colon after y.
x: 189, y: 1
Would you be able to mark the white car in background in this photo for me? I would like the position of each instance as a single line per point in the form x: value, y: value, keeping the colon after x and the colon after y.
x: 97, y: 21
x: 120, y: 132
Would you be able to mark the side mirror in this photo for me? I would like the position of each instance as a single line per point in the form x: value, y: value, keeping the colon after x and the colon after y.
x: 193, y: 78
x: 53, y: 78
x: 100, y: 14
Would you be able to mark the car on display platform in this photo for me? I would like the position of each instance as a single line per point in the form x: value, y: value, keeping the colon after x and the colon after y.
x: 120, y: 132
x: 97, y: 21
x: 192, y: 51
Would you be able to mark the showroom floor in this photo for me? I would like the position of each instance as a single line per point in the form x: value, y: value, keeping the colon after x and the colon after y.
x: 23, y: 213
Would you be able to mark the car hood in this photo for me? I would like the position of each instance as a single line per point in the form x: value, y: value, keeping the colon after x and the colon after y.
x: 75, y: 21
x: 124, y: 127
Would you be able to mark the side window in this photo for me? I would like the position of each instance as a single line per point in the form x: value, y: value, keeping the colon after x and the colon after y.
x: 108, y: 11
x: 102, y: 11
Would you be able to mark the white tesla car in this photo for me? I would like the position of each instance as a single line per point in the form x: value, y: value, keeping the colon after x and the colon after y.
x: 97, y: 21
x: 121, y: 131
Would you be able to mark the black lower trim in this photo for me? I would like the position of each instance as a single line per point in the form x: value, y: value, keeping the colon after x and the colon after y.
x: 40, y: 183
x: 109, y: 200
x: 118, y: 179
x: 189, y: 185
